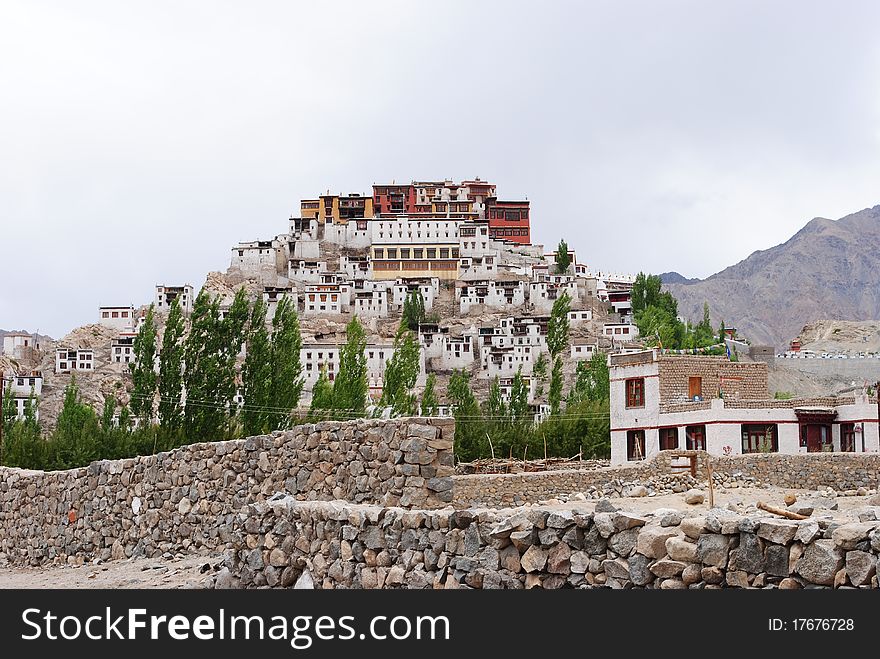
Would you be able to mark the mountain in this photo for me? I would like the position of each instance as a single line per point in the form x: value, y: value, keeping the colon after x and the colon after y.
x: 828, y: 269
x: 676, y: 278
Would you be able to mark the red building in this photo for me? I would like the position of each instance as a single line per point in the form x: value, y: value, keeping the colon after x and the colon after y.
x: 509, y: 220
x: 394, y: 199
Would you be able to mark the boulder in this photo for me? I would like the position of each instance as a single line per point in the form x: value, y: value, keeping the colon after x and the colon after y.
x: 624, y: 542
x: 605, y: 506
x: 639, y: 570
x: 847, y: 536
x: 712, y: 549
x: 652, y: 540
x: 665, y: 568
x: 693, y: 527
x: 558, y: 560
x: 820, y: 562
x: 694, y: 497
x: 681, y: 550
x: 860, y: 567
x: 737, y: 579
x: 749, y: 556
x: 777, y: 531
x: 534, y: 559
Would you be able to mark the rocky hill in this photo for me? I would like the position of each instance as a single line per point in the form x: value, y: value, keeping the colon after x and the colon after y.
x: 828, y: 269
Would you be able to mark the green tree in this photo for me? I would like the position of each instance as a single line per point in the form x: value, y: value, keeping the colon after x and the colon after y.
x: 556, y: 384
x: 539, y: 372
x: 108, y: 414
x: 10, y: 412
x: 256, y: 374
x: 287, y: 380
x: 22, y: 444
x: 204, y: 375
x: 558, y: 325
x: 413, y: 311
x: 75, y: 439
x: 322, y: 395
x: 143, y: 370
x: 469, y: 431
x: 232, y: 337
x: 591, y: 380
x: 429, y: 402
x: 563, y: 258
x: 350, y: 388
x: 401, y: 372
x: 171, y: 372
x: 519, y: 398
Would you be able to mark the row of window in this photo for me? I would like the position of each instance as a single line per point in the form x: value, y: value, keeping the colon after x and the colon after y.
x: 415, y: 265
x: 616, y: 330
x: 509, y: 216
x: 755, y: 438
x: 508, y: 232
x: 417, y: 253
x: 115, y: 314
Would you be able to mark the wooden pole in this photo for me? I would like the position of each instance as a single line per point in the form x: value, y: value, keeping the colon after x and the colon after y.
x: 711, y: 483
x: 780, y: 511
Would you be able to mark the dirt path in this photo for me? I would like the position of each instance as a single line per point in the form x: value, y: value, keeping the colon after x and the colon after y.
x: 137, y: 573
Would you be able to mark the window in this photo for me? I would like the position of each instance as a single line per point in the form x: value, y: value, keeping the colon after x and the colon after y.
x: 105, y: 314
x: 635, y: 392
x: 760, y: 438
x: 431, y: 252
x: 696, y: 438
x: 404, y: 253
x: 378, y: 253
x: 115, y: 314
x: 848, y: 437
x: 695, y: 388
x: 668, y: 439
x: 444, y: 253
x: 418, y: 253
x: 635, y: 445
x: 392, y: 253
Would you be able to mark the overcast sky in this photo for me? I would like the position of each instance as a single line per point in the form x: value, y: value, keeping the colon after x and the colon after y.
x: 140, y: 141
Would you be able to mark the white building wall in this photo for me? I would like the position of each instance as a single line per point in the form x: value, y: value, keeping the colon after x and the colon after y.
x: 165, y: 295
x: 306, y: 271
x: 349, y: 234
x: 119, y: 318
x: 407, y: 230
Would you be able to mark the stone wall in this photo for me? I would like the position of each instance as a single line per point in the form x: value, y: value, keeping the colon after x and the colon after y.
x: 736, y: 379
x: 342, y: 545
x: 185, y: 499
x: 809, y: 471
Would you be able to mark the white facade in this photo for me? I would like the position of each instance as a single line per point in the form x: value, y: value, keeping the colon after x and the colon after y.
x: 354, y: 234
x: 323, y: 299
x: 457, y: 352
x: 306, y: 271
x: 411, y: 230
x: 119, y: 318
x: 401, y: 289
x: 724, y: 426
x: 620, y: 331
x: 505, y: 362
x: 582, y: 351
x: 473, y: 240
x: 579, y: 317
x: 165, y: 296
x: 371, y: 303
x: 122, y: 349
x: 15, y: 343
x: 493, y: 294
x: 273, y: 295
x: 542, y: 294
x: 253, y: 256
x: 24, y: 384
x: 315, y: 356
x: 356, y: 268
x: 74, y: 359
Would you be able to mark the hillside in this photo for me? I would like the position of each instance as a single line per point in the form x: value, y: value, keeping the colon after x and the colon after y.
x: 828, y: 269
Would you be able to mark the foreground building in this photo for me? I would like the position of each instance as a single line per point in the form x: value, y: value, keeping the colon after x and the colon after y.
x: 666, y: 402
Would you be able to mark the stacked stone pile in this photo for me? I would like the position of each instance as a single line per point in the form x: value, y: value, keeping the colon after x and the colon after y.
x: 342, y: 545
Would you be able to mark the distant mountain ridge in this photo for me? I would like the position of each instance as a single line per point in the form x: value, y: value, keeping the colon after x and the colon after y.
x: 676, y: 278
x: 828, y: 269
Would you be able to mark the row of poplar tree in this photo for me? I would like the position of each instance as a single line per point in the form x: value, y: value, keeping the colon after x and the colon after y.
x: 187, y: 387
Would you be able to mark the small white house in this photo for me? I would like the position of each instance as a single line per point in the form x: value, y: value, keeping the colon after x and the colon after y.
x: 250, y: 258
x: 119, y: 318
x: 165, y: 296
x: 16, y: 343
x: 579, y: 317
x: 122, y: 349
x: 371, y: 303
x: 74, y: 359
x: 322, y: 299
x: 306, y: 271
x: 24, y: 385
x: 273, y: 295
x: 581, y: 350
x: 620, y: 331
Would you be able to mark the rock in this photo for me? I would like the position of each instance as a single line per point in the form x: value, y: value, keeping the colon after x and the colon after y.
x: 533, y: 581
x: 184, y: 506
x: 395, y: 576
x: 807, y: 532
x: 777, y: 531
x: 605, y: 506
x: 508, y: 559
x: 305, y: 581
x: 594, y: 543
x: 712, y: 575
x: 635, y: 491
x: 624, y: 542
x: 737, y: 579
x: 789, y: 499
x: 580, y: 562
x: 560, y: 520
x: 277, y: 558
x: 820, y: 562
x: 693, y: 527
x: 522, y: 540
x: 875, y: 540
x: 534, y: 559
x: 694, y: 497
x: 558, y: 560
x: 224, y: 580
x: 822, y: 502
x: 652, y: 540
x: 672, y: 518
x: 776, y: 560
x: 840, y: 577
x: 712, y: 549
x: 665, y: 568
x: 624, y: 521
x: 749, y: 556
x: 789, y: 584
x: 847, y: 536
x: 801, y: 509
x: 691, y: 574
x: 639, y: 570
x: 672, y: 584
x: 873, y: 500
x: 616, y: 568
x: 680, y: 549
x: 604, y: 522
x: 860, y: 567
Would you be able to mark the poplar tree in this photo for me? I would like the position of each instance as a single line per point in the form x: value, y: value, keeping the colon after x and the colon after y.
x: 558, y: 325
x: 519, y: 398
x: 563, y: 258
x: 256, y: 374
x: 143, y: 370
x: 556, y: 383
x: 171, y: 372
x: 429, y: 402
x: 350, y: 388
x: 232, y: 336
x: 469, y: 432
x: 413, y: 310
x: 206, y: 399
x: 286, y: 376
x: 401, y: 373
x: 322, y: 394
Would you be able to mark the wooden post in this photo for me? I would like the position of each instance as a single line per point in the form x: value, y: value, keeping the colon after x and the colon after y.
x: 711, y: 483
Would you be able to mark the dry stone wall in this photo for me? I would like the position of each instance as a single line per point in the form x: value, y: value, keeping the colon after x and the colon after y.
x: 186, y: 499
x: 808, y: 471
x: 341, y: 545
